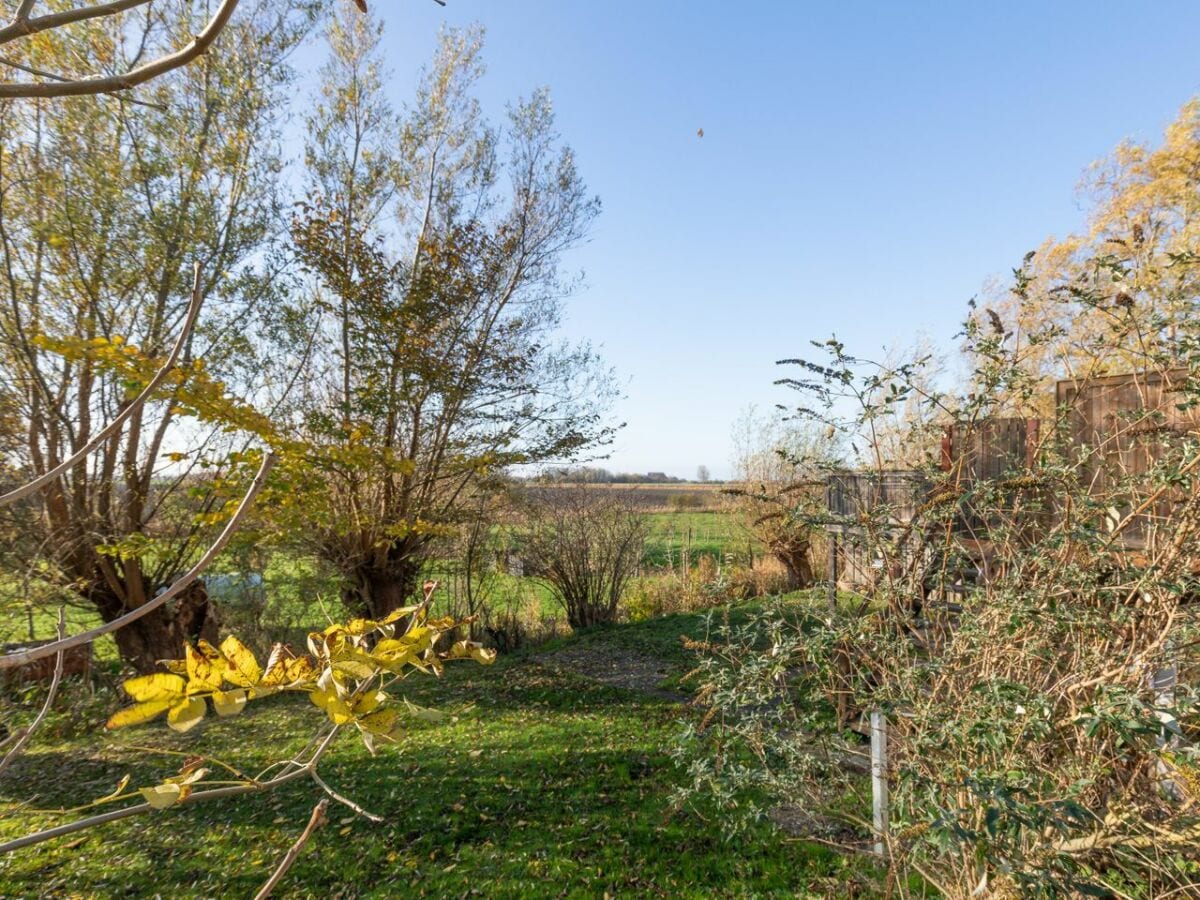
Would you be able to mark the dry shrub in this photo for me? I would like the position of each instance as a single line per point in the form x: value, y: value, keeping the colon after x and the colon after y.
x: 703, y: 586
x: 1040, y: 678
x: 767, y: 577
x: 585, y: 545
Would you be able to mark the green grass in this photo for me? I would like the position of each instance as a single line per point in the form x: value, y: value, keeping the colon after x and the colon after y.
x: 701, y: 532
x: 550, y: 785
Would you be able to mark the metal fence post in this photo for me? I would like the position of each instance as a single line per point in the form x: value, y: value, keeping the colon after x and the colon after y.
x: 1163, y: 682
x: 879, y: 780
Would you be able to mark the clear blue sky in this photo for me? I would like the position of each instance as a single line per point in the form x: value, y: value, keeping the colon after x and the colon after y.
x: 865, y: 169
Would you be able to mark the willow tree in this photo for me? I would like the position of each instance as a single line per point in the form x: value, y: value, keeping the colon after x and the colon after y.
x: 106, y: 207
x: 434, y: 245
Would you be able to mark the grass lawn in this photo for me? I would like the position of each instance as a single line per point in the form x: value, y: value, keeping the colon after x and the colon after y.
x: 546, y: 784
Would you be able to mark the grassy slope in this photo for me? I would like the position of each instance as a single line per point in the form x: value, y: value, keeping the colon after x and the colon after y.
x: 550, y: 786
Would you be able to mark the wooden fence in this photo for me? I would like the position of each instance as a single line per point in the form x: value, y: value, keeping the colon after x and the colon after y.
x: 1116, y: 428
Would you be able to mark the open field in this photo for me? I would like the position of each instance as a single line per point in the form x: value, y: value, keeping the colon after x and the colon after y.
x: 715, y: 533
x: 659, y: 497
x: 548, y: 783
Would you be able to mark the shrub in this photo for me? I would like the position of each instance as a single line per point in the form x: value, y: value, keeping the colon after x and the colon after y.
x: 1039, y: 742
x: 586, y: 545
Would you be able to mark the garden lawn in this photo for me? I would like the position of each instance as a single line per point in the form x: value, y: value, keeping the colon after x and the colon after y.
x: 544, y: 784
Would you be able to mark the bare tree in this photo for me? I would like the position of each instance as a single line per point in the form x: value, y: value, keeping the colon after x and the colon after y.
x: 777, y: 465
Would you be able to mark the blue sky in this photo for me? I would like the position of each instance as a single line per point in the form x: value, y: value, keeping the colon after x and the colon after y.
x: 865, y: 169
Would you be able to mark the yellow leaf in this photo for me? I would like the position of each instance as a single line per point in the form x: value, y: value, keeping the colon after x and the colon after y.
x: 382, y: 723
x: 288, y: 672
x: 397, y: 614
x: 355, y: 665
x: 241, y: 668
x: 335, y: 707
x: 229, y: 703
x: 205, y: 668
x: 357, y: 627
x: 424, y: 714
x: 472, y: 650
x: 163, y: 796
x: 139, y: 714
x: 150, y: 688
x: 186, y: 715
x: 187, y: 777
x: 369, y: 702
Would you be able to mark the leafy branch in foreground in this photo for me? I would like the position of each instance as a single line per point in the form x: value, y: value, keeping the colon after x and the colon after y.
x: 347, y: 675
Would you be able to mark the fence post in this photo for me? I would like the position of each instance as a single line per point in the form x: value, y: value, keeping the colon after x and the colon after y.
x: 833, y: 573
x: 879, y: 781
x: 1163, y: 682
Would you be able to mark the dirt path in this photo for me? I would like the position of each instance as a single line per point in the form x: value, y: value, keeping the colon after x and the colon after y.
x: 615, y: 667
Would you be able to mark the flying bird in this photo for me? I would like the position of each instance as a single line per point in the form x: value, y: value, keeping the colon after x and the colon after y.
x: 700, y: 133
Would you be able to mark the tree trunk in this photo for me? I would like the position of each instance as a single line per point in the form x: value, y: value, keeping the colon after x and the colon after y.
x: 375, y: 591
x: 161, y: 634
x: 795, y: 559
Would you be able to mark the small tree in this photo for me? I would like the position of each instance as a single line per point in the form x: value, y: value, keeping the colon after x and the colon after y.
x: 586, y: 545
x: 778, y: 467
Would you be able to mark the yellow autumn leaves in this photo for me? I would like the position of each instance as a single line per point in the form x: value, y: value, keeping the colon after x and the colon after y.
x: 343, y: 676
x: 228, y: 676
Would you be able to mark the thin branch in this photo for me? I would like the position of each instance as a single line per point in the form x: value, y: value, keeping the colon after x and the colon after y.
x: 27, y: 732
x: 316, y: 821
x: 42, y: 73
x: 17, y: 659
x: 345, y: 801
x: 103, y: 84
x: 23, y: 26
x: 196, y: 797
x: 62, y: 86
x: 115, y: 425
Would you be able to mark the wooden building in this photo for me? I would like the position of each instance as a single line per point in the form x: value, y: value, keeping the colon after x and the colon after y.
x: 1116, y: 428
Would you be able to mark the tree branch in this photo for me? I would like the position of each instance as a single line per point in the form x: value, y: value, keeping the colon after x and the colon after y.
x: 103, y: 84
x: 23, y: 26
x: 26, y: 733
x: 196, y: 797
x: 63, y: 86
x: 315, y: 822
x: 115, y: 425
